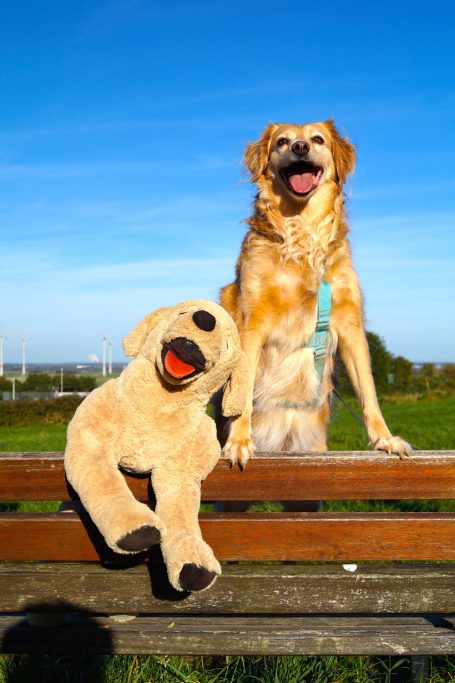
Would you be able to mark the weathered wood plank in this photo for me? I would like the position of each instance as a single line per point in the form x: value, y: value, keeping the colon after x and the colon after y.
x: 324, y: 589
x: 251, y: 536
x: 232, y: 636
x: 326, y: 476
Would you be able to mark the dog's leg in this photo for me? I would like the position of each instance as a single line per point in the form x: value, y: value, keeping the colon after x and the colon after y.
x: 355, y: 354
x: 239, y: 447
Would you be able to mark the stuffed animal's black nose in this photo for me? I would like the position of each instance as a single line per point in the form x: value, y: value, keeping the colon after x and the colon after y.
x: 204, y: 320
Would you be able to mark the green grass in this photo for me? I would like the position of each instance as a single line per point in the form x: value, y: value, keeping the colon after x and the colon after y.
x: 427, y: 424
x: 36, y: 437
x: 148, y: 669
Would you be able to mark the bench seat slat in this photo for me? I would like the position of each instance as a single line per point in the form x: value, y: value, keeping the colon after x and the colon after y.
x: 325, y: 476
x: 252, y: 536
x: 300, y: 589
x: 232, y: 636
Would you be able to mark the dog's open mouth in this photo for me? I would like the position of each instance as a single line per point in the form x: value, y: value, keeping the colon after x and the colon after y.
x: 182, y: 358
x: 301, y: 177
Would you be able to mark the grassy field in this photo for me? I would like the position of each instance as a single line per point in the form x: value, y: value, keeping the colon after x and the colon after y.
x: 35, y: 437
x: 427, y: 424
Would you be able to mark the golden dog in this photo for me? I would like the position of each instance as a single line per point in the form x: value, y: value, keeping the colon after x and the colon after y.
x: 298, y: 238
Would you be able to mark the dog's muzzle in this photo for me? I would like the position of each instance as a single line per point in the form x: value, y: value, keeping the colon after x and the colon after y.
x: 182, y: 358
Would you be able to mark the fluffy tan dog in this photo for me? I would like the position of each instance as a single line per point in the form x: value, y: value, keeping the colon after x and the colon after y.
x: 153, y: 419
x: 298, y: 238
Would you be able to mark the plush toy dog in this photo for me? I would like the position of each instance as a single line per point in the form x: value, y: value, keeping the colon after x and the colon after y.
x: 153, y: 419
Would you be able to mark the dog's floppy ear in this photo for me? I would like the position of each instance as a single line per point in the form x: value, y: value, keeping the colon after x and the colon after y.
x: 343, y: 153
x: 257, y: 153
x: 234, y: 396
x: 134, y: 341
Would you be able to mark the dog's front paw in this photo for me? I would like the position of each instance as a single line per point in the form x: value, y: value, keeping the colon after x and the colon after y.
x: 238, y: 451
x: 393, y: 444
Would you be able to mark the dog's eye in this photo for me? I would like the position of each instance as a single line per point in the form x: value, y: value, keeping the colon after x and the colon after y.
x: 282, y: 141
x: 317, y: 140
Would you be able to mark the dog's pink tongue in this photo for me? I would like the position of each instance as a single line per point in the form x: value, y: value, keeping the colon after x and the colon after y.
x: 302, y: 182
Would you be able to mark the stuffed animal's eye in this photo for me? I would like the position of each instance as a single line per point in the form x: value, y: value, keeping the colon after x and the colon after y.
x: 282, y: 141
x: 317, y: 139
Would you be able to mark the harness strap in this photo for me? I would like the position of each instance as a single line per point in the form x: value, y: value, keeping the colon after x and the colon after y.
x: 318, y: 343
x: 319, y: 340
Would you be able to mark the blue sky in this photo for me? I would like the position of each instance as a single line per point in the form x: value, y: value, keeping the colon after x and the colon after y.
x: 122, y: 127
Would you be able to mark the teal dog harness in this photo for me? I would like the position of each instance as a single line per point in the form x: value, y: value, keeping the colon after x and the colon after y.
x: 318, y: 342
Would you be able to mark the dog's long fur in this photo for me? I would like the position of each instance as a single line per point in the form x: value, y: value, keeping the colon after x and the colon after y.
x: 294, y: 241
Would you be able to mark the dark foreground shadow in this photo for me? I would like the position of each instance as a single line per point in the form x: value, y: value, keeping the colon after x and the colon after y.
x: 61, y: 645
x: 159, y: 582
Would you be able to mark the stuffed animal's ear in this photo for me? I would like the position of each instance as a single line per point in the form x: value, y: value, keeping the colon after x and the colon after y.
x: 234, y: 397
x: 343, y: 153
x: 134, y: 341
x: 257, y: 153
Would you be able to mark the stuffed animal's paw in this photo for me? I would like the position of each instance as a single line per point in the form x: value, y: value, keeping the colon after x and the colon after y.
x: 140, y: 539
x: 191, y: 564
x: 134, y: 528
x: 393, y: 444
x: 195, y: 578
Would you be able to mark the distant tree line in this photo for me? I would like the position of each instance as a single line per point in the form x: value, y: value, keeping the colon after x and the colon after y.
x: 41, y: 381
x: 393, y: 374
x: 49, y: 411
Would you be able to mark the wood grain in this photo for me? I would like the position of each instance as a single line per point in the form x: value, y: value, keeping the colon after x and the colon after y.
x: 341, y: 475
x: 257, y: 589
x: 250, y: 536
x: 234, y: 635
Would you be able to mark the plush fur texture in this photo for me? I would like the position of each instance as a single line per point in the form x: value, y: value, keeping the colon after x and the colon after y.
x: 149, y: 420
x: 298, y: 236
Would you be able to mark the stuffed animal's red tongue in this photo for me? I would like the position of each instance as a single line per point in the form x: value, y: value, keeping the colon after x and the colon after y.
x: 177, y: 368
x: 302, y: 182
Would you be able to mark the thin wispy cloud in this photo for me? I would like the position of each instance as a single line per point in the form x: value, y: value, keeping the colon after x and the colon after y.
x: 20, y: 171
x: 89, y: 300
x: 403, y: 189
x: 108, y: 127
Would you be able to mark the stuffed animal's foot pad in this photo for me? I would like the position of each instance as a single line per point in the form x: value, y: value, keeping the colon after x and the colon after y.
x: 140, y: 539
x: 191, y: 564
x: 195, y: 578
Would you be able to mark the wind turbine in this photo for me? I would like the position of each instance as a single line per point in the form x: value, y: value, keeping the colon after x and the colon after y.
x: 24, y: 343
x: 110, y: 357
x: 104, y: 355
x: 2, y: 339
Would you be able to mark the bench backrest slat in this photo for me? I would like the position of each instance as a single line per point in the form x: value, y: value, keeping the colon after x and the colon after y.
x: 251, y: 536
x: 323, y: 476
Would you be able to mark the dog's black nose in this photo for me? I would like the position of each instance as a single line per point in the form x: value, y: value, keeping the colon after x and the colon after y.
x: 300, y: 147
x: 204, y: 320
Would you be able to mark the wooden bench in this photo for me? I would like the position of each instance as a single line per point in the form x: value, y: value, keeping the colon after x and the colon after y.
x: 50, y: 569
